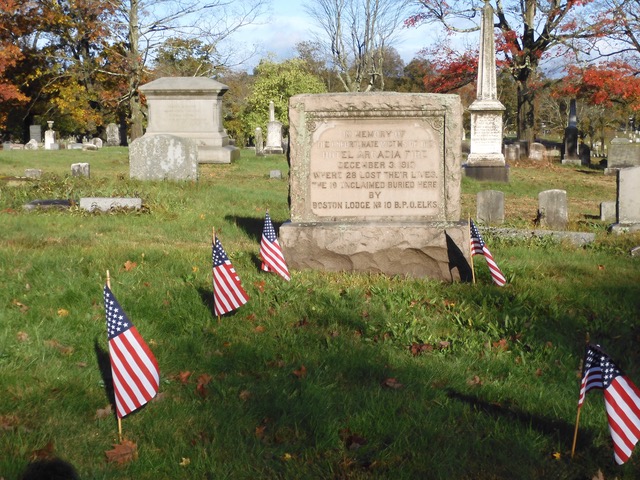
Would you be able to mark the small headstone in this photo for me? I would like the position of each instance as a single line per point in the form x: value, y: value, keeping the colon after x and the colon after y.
x: 113, y: 135
x: 584, y: 152
x: 6, y: 146
x: 490, y: 207
x: 628, y: 200
x: 635, y: 251
x: 33, y: 173
x: 259, y: 143
x: 608, y: 211
x: 622, y: 154
x: 277, y: 174
x: 80, y: 170
x: 163, y: 157
x: 104, y: 204
x: 97, y: 142
x: 274, y: 133
x: 512, y: 152
x: 17, y: 146
x: 31, y: 145
x: 48, y: 204
x: 553, y: 209
x: 74, y: 146
x: 537, y: 152
x: 89, y: 146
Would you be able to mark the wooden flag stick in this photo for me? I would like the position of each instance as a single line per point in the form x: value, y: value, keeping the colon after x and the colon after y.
x: 575, y: 432
x: 119, y: 419
x: 473, y: 271
x: 213, y: 242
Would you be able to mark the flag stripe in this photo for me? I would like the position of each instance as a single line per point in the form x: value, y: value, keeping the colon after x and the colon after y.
x: 228, y: 293
x: 478, y: 247
x: 134, y: 369
x: 270, y: 251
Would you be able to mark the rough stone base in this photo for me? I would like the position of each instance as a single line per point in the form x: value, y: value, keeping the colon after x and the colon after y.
x: 571, y: 161
x: 273, y: 150
x: 435, y: 250
x: 226, y: 154
x: 625, y: 227
x: 487, y: 173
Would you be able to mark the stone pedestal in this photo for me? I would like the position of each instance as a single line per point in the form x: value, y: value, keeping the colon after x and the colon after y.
x: 628, y: 201
x: 375, y: 185
x: 190, y: 107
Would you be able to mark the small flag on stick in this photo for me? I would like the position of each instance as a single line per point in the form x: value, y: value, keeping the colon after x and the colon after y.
x: 478, y: 247
x: 270, y: 251
x: 228, y: 294
x: 136, y: 376
x: 621, y: 399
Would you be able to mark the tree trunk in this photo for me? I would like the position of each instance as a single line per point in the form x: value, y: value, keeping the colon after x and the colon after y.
x: 526, y: 113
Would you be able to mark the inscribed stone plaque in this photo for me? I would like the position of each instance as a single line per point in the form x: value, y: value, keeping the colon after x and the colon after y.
x: 388, y: 160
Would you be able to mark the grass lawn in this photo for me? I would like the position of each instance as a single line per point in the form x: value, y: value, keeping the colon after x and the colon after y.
x: 328, y: 376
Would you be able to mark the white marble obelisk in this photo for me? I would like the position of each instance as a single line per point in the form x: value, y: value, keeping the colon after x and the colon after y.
x: 486, y: 111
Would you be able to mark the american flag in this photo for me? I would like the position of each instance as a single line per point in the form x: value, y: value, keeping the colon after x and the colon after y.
x: 228, y: 293
x: 478, y: 247
x: 270, y: 251
x: 135, y: 372
x: 621, y: 399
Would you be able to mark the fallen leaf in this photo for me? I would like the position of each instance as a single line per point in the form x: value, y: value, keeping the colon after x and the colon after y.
x: 556, y: 455
x: 159, y: 397
x: 252, y: 317
x: 474, y: 381
x: 23, y: 308
x: 259, y: 329
x: 600, y: 267
x: 286, y: 457
x: 301, y: 372
x: 303, y: 322
x: 245, y: 395
x: 183, y: 377
x: 194, y: 269
x: 122, y: 453
x: 185, y: 462
x: 443, y: 344
x: 260, y: 431
x: 63, y: 349
x: 391, y: 383
x: 62, y: 312
x: 129, y: 265
x: 539, y: 372
x: 501, y: 344
x: 202, y: 216
x: 43, y: 453
x: 201, y: 387
x: 22, y: 336
x: 259, y: 285
x: 352, y: 441
x: 82, y: 364
x: 104, y: 412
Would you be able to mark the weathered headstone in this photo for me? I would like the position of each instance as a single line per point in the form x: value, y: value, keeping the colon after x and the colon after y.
x: 259, y: 142
x: 190, y: 107
x: 80, y: 170
x: 571, y: 137
x: 113, y: 135
x: 375, y: 185
x: 537, y: 152
x: 97, y: 142
x: 35, y: 133
x: 274, y: 133
x: 35, y: 173
x: 553, y: 209
x: 104, y: 204
x: 622, y: 154
x: 512, y: 152
x: 628, y: 200
x: 490, y: 207
x: 49, y: 136
x: 31, y: 145
x: 608, y: 211
x: 485, y: 160
x: 163, y: 157
x: 277, y: 174
x: 6, y: 146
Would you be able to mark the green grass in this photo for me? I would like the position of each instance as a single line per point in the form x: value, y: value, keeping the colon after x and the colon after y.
x: 489, y: 390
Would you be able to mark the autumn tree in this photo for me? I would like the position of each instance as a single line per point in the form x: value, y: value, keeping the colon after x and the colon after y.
x: 142, y: 26
x: 185, y: 57
x: 529, y: 33
x: 356, y: 34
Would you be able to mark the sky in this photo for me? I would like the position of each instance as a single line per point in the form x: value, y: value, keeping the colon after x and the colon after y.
x: 287, y: 24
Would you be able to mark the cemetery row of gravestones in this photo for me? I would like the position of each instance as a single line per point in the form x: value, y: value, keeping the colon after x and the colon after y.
x: 553, y: 212
x: 52, y: 142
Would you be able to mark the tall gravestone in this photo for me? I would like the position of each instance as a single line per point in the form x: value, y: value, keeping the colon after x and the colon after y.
x: 274, y: 133
x: 190, y: 107
x: 113, y: 135
x: 259, y: 142
x: 628, y: 200
x: 35, y: 133
x: 375, y: 185
x: 486, y: 160
x: 570, y: 155
x: 49, y: 137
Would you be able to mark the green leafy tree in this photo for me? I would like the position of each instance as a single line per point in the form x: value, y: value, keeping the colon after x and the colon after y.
x: 186, y: 57
x: 277, y: 82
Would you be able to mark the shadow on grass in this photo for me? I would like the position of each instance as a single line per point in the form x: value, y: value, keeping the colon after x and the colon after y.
x: 104, y: 365
x: 251, y: 226
x: 458, y: 261
x: 207, y: 299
